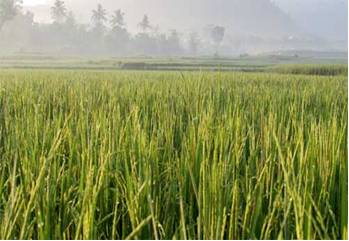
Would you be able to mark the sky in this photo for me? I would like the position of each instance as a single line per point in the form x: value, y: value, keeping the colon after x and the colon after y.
x: 33, y: 2
x: 324, y: 18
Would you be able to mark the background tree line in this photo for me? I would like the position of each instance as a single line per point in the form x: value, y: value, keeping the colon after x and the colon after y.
x: 105, y: 35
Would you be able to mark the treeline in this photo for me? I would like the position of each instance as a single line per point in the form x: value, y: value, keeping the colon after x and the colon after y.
x: 103, y: 36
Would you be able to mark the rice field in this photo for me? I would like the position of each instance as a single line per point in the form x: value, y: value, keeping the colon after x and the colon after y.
x: 311, y: 69
x: 160, y: 155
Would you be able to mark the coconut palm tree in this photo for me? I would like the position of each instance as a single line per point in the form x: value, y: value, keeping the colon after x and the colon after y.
x: 144, y: 24
x: 99, y: 16
x: 118, y: 19
x: 58, y: 11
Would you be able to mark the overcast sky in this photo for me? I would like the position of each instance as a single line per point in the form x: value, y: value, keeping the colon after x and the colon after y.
x: 325, y: 18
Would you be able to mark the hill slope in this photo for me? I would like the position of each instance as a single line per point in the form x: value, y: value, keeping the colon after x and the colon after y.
x: 325, y: 18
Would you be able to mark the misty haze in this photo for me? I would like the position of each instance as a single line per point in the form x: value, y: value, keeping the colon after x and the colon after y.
x: 177, y: 28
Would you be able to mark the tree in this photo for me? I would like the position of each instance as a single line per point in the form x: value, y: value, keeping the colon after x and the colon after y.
x: 118, y: 40
x: 70, y: 20
x: 144, y: 44
x: 174, y: 41
x: 17, y: 34
x: 71, y: 37
x: 193, y: 42
x: 8, y: 10
x: 217, y: 35
x: 118, y: 19
x: 58, y: 12
x: 144, y: 24
x: 99, y: 16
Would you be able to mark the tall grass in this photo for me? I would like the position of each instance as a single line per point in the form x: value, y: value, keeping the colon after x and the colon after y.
x: 325, y: 70
x: 93, y: 155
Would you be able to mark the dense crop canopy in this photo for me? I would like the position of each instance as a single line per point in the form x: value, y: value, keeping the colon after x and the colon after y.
x: 111, y: 155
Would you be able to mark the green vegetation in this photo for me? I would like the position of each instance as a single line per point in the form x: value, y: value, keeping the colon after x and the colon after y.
x: 250, y: 64
x: 326, y: 70
x: 147, y: 155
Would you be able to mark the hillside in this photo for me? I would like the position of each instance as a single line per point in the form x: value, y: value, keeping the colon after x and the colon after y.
x: 325, y: 18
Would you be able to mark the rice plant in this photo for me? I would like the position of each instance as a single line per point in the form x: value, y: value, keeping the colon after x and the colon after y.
x: 155, y: 155
x: 325, y: 69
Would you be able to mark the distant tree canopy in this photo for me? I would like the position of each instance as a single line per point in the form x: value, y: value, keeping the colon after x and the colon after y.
x: 105, y: 36
x: 144, y: 24
x: 118, y: 19
x: 217, y: 34
x: 58, y: 12
x: 70, y: 20
x: 99, y: 16
x: 193, y: 41
x: 67, y: 36
x: 174, y: 42
x: 8, y: 10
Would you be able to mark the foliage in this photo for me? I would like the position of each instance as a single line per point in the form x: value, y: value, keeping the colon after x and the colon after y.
x: 144, y: 24
x: 194, y: 41
x: 118, y: 19
x: 99, y: 16
x: 58, y: 11
x: 8, y: 10
x: 217, y: 34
